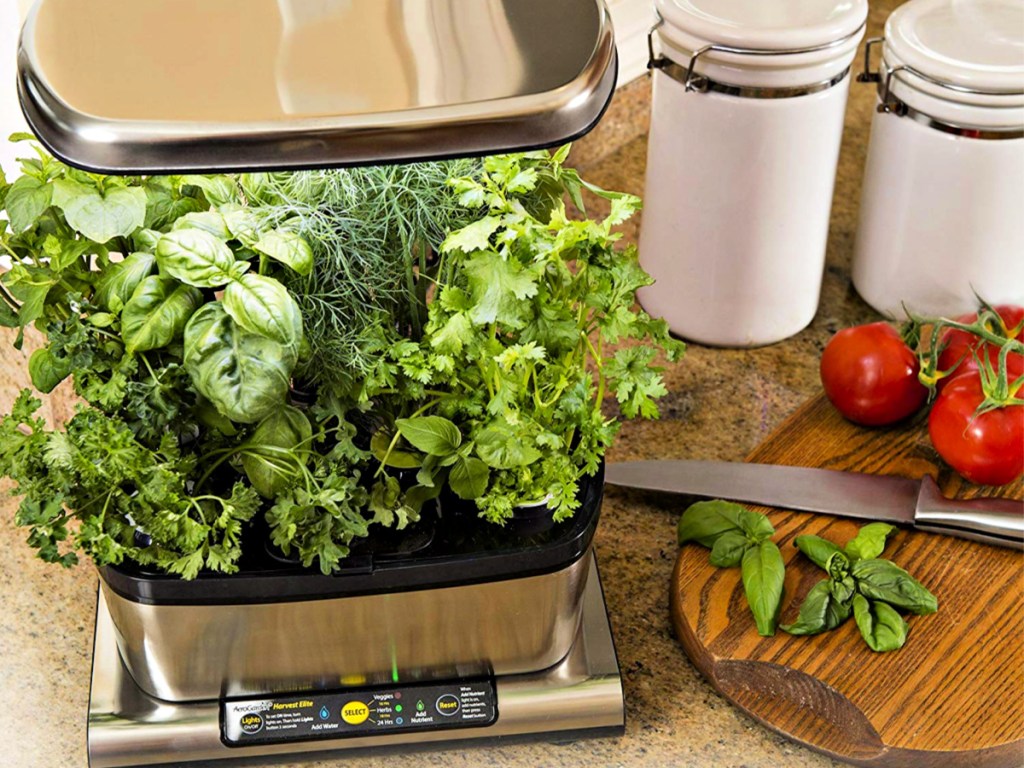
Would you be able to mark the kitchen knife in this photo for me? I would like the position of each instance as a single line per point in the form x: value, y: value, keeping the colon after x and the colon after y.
x: 899, y: 500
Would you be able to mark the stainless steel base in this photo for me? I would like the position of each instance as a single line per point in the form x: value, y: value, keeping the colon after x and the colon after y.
x: 581, y: 695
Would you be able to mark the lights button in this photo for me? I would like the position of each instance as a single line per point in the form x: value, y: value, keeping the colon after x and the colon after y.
x: 447, y: 705
x: 355, y: 713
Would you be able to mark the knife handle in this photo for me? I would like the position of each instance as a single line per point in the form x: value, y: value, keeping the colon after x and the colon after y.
x: 992, y: 521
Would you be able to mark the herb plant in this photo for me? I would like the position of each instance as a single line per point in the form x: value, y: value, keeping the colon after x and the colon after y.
x: 288, y: 345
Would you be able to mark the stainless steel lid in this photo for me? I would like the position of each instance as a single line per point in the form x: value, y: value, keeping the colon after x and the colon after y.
x: 160, y: 86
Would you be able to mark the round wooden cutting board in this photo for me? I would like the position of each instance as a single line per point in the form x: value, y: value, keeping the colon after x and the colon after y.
x: 952, y: 696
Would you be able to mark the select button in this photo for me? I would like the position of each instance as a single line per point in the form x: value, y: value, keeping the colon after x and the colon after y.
x: 447, y: 705
x: 355, y: 713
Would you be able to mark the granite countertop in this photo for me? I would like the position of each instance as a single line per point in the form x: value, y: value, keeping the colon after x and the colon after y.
x: 721, y: 403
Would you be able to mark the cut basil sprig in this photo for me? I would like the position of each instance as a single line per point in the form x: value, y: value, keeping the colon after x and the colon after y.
x: 863, y: 585
x: 738, y: 536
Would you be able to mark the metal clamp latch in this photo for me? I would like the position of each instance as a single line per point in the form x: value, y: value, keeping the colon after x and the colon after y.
x: 889, y: 103
x: 702, y: 84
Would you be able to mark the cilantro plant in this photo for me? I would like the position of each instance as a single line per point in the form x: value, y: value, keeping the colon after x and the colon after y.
x: 225, y: 371
x: 517, y: 349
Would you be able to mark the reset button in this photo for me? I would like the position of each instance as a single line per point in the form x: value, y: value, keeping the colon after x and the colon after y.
x: 447, y: 705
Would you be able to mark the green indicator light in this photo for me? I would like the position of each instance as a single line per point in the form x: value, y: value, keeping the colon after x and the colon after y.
x: 398, y: 707
x: 419, y: 706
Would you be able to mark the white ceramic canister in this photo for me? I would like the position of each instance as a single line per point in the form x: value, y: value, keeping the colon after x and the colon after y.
x: 746, y: 121
x: 942, y: 209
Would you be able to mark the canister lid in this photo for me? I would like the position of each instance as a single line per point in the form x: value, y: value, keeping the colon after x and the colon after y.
x: 158, y: 86
x: 765, y: 24
x: 971, y: 44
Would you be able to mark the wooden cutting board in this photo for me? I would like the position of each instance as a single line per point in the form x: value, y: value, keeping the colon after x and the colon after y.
x: 952, y: 696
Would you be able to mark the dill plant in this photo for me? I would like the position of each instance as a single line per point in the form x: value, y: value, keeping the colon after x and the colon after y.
x: 374, y: 233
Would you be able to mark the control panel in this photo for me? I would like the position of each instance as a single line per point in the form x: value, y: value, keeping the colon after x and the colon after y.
x: 355, y: 712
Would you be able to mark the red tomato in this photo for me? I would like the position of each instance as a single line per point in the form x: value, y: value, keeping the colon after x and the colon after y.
x: 870, y: 375
x: 962, y: 346
x: 986, y: 448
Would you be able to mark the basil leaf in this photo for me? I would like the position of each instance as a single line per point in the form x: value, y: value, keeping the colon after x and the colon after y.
x: 121, y: 279
x: 146, y: 239
x: 244, y: 375
x: 27, y: 199
x: 817, y: 549
x: 208, y: 221
x: 244, y: 226
x: 869, y: 541
x: 728, y: 549
x: 838, y: 565
x: 218, y: 190
x: 843, y: 590
x: 164, y: 205
x: 262, y: 305
x: 100, y: 217
x: 157, y: 312
x: 820, y: 611
x: 413, y: 501
x: 66, y: 254
x: 705, y: 521
x: 882, y: 580
x: 756, y: 525
x: 279, y: 448
x: 288, y: 248
x: 433, y: 435
x: 32, y: 290
x: 8, y: 317
x: 379, y: 444
x: 196, y: 257
x: 469, y: 478
x: 426, y: 475
x: 763, y: 576
x: 46, y: 370
x: 882, y: 628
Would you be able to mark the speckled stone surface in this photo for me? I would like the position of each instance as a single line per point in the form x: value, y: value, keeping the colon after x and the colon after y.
x: 721, y: 403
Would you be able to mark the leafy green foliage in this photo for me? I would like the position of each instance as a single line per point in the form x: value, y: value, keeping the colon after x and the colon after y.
x: 860, y: 584
x: 820, y: 611
x: 115, y: 487
x: 156, y: 313
x: 245, y: 375
x: 280, y: 447
x: 100, y: 212
x: 882, y: 628
x: 195, y: 257
x: 739, y: 536
x: 817, y: 549
x: 883, y: 580
x: 263, y: 306
x: 763, y: 575
x: 452, y: 310
x: 869, y: 541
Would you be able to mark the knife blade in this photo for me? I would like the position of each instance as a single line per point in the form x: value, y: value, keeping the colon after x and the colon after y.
x: 899, y: 500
